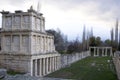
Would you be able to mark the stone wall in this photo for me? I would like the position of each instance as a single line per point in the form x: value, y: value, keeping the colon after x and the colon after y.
x: 67, y: 59
x: 18, y: 63
x: 34, y: 65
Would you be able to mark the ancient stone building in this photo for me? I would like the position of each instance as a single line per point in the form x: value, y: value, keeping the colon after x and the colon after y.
x: 25, y: 46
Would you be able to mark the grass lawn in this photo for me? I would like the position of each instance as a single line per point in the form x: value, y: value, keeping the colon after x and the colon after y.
x: 91, y: 68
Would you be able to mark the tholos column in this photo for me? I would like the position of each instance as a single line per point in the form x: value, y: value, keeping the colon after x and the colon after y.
x: 89, y: 50
x: 97, y: 51
x: 103, y: 52
x: 106, y: 52
x: 111, y: 52
x: 94, y: 51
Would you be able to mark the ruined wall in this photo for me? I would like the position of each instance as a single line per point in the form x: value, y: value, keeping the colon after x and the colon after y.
x: 67, y: 59
x: 116, y: 61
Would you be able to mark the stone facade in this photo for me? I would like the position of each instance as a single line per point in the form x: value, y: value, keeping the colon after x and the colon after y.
x: 25, y: 46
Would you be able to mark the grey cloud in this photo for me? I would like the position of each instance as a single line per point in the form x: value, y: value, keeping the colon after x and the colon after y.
x: 13, y: 2
x: 104, y: 6
x: 17, y: 2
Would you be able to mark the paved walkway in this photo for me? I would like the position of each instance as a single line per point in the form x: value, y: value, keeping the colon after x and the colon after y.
x: 22, y: 77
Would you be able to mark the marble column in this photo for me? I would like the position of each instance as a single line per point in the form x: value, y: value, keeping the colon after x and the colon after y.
x: 35, y: 44
x: 50, y: 65
x: 12, y: 22
x: 56, y: 62
x: 53, y: 64
x: 44, y: 67
x: 3, y: 21
x: 33, y: 67
x: 47, y: 66
x: 21, y: 20
x: 36, y: 67
x: 31, y: 72
x: 3, y: 43
x: 42, y: 44
x: 20, y: 43
x: 40, y: 67
x: 59, y: 62
x: 45, y: 44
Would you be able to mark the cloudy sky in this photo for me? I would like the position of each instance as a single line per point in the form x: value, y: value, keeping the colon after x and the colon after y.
x: 71, y: 15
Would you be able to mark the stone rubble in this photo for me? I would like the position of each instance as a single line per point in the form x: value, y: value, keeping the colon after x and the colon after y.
x: 3, y: 73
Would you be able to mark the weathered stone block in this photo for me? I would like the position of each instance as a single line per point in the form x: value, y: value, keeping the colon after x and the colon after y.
x: 3, y: 73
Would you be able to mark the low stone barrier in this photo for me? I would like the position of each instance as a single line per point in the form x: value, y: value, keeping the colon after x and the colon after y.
x: 67, y: 59
x: 22, y: 77
x: 116, y: 61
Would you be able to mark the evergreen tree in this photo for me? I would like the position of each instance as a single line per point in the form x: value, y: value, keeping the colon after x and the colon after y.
x: 83, y: 38
x: 112, y: 36
x: 116, y: 34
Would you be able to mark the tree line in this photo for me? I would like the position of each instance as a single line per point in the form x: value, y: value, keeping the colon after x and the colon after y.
x: 64, y: 46
x: 115, y: 36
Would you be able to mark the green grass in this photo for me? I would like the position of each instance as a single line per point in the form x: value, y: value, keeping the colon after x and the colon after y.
x: 91, y: 68
x: 13, y: 72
